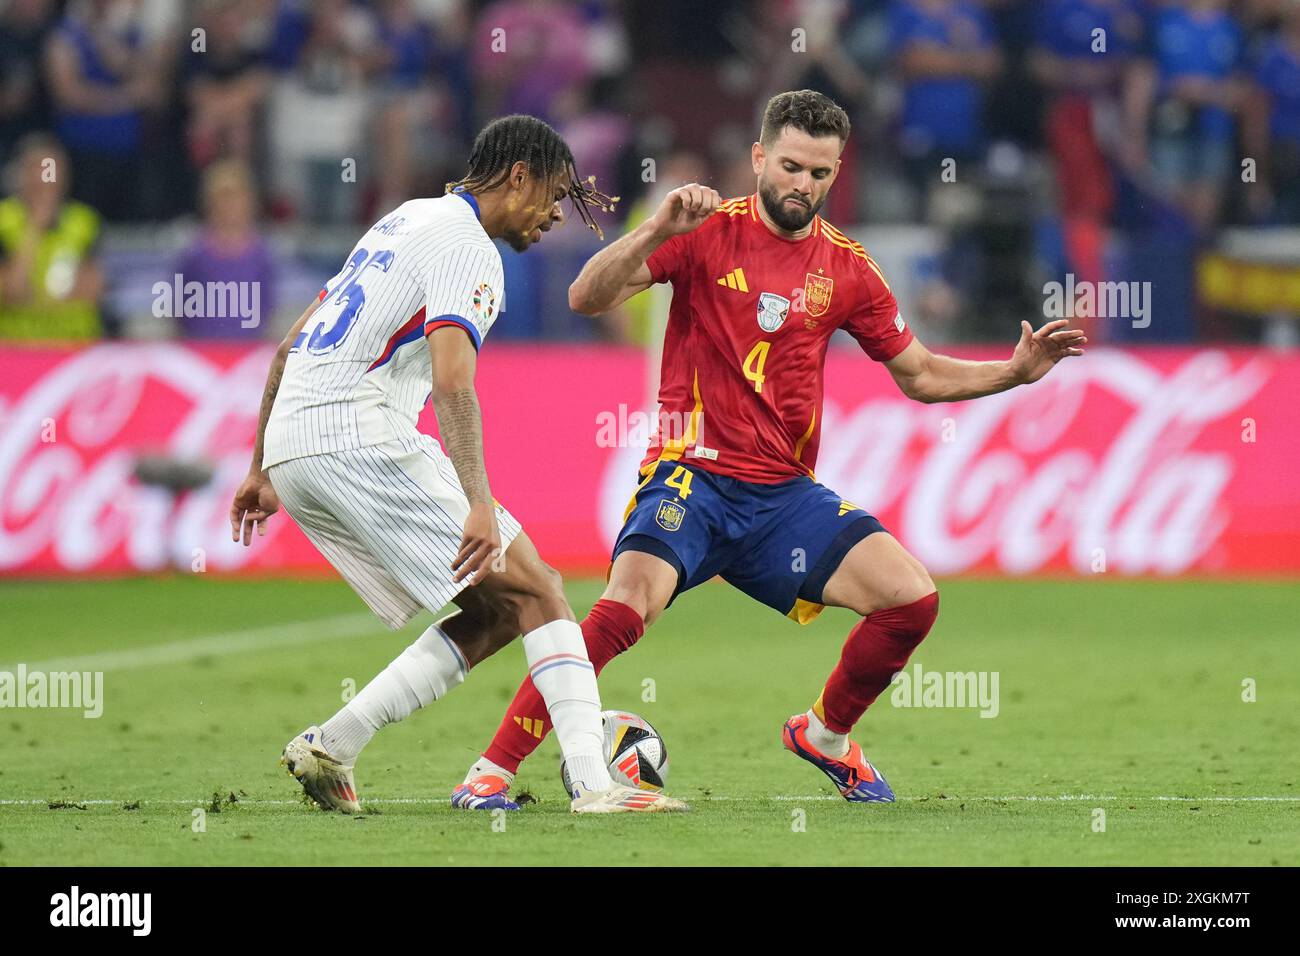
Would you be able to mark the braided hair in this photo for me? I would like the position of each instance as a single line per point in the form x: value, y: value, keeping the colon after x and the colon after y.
x: 520, y: 138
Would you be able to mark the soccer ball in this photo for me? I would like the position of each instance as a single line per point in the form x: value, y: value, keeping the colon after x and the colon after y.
x: 636, y: 753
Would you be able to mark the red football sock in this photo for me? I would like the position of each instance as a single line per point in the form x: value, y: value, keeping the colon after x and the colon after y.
x: 609, y: 629
x: 877, y: 649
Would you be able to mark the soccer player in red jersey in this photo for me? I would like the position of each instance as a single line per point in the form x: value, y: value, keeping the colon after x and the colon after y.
x: 759, y: 285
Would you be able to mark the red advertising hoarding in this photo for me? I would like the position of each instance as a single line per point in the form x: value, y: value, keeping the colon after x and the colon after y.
x: 1129, y: 461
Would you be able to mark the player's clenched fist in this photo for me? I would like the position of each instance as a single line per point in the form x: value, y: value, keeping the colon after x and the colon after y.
x: 685, y: 208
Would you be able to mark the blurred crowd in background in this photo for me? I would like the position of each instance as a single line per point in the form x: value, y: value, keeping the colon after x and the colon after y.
x: 997, y: 144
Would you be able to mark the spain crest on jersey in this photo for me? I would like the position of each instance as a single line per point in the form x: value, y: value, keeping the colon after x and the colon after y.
x: 669, y: 516
x: 817, y: 294
x: 772, y: 310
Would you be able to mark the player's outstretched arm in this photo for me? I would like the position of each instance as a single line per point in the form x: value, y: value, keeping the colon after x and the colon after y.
x: 619, y: 271
x: 255, y: 499
x: 927, y: 377
x: 460, y: 423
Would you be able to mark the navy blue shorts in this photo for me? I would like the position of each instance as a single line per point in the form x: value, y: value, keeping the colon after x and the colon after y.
x: 778, y: 543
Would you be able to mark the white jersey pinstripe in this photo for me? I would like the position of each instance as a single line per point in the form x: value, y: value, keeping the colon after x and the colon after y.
x: 388, y: 517
x: 377, y: 498
x: 359, y: 373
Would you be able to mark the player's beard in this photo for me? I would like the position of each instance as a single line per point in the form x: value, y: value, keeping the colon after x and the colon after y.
x: 791, y: 220
x: 523, y: 241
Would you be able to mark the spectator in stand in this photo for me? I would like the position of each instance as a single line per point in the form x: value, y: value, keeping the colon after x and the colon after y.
x: 1180, y: 100
x: 230, y: 249
x: 453, y: 26
x: 1082, y: 51
x: 1260, y: 20
x: 420, y: 87
x: 290, y: 24
x: 946, y: 54
x: 319, y: 109
x: 636, y: 321
x: 1272, y: 134
x: 528, y: 54
x: 24, y: 99
x: 825, y: 65
x: 225, y: 84
x: 101, y: 84
x: 405, y: 102
x: 50, y: 281
x: 597, y: 126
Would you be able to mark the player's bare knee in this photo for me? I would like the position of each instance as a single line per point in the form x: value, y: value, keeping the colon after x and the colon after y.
x: 922, y: 586
x: 540, y: 596
x: 908, y: 587
x: 532, y: 579
x: 908, y: 583
x: 651, y: 614
x: 498, y: 620
x: 509, y: 606
x: 550, y: 586
x: 636, y: 595
x: 503, y: 625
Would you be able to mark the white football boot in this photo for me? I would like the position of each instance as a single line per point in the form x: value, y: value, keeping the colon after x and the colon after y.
x: 620, y: 799
x: 325, y: 779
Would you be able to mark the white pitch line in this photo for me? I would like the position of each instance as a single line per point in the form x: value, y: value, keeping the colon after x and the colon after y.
x: 425, y: 801
x: 1047, y: 799
x: 1085, y: 796
x: 215, y: 645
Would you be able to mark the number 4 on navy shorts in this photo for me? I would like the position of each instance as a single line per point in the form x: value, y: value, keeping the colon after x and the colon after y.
x: 778, y: 543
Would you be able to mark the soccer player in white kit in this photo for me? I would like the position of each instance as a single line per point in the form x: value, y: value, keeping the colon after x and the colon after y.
x: 408, y: 526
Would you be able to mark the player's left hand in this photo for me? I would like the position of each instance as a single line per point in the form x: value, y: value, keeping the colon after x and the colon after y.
x: 255, y: 501
x: 1037, y: 352
x: 480, y: 545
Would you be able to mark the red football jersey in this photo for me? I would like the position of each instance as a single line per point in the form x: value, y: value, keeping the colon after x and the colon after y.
x: 741, y: 383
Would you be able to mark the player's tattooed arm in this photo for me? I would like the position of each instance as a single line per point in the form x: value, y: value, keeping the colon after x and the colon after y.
x: 927, y: 377
x: 460, y: 423
x: 273, y: 385
x: 619, y: 271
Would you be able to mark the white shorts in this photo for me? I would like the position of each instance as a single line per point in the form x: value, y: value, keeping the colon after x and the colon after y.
x: 388, y: 517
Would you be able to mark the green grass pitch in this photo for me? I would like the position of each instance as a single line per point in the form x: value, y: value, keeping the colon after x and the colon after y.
x: 1124, y: 697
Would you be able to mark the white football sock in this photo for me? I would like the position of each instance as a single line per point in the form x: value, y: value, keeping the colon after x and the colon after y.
x: 421, y: 674
x: 826, y: 740
x: 562, y: 674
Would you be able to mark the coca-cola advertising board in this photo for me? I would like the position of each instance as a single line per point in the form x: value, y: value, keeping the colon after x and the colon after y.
x: 1162, y: 461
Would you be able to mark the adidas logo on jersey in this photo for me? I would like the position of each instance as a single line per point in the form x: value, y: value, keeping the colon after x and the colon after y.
x: 735, y: 280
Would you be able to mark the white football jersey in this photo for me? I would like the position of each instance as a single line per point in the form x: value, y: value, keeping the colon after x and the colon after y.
x: 359, y: 373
